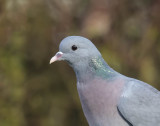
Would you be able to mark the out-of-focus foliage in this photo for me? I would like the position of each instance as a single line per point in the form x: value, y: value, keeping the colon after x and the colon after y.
x: 34, y: 93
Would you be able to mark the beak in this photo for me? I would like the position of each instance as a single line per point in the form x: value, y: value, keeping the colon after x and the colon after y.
x: 56, y: 57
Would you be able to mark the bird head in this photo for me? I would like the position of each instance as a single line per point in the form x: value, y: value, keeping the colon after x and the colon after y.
x: 75, y: 50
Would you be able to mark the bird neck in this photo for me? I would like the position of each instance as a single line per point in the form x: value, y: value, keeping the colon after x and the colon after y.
x: 95, y: 67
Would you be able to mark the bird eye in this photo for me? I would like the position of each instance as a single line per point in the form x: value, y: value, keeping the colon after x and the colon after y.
x: 74, y: 47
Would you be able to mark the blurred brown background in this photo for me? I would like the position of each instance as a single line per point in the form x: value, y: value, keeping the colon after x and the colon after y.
x: 34, y: 93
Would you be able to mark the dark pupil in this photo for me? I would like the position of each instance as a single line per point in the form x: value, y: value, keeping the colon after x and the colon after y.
x: 74, y: 47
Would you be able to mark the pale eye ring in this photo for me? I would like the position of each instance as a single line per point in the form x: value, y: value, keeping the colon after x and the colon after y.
x: 74, y: 47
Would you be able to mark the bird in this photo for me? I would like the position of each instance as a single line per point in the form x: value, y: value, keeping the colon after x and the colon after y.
x: 108, y: 98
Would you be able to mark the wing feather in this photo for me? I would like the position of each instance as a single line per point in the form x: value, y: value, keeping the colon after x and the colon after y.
x: 140, y: 104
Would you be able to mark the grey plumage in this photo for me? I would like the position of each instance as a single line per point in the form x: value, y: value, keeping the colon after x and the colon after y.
x: 107, y: 97
x: 140, y: 104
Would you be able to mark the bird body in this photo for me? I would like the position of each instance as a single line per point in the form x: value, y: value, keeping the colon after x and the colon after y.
x: 99, y: 102
x: 108, y: 98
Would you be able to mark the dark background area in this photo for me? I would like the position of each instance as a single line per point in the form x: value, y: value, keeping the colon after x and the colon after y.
x: 34, y: 93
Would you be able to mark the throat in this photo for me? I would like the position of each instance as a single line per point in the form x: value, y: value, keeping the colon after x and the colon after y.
x: 95, y: 67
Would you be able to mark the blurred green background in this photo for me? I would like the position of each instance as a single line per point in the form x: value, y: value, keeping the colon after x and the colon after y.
x: 34, y: 93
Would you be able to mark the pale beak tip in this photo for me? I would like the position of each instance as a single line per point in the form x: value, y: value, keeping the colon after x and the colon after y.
x: 51, y: 61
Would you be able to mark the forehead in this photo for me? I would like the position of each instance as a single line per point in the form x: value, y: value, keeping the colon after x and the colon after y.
x: 75, y: 40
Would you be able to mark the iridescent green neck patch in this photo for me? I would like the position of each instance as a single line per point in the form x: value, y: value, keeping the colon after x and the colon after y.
x: 101, y: 68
